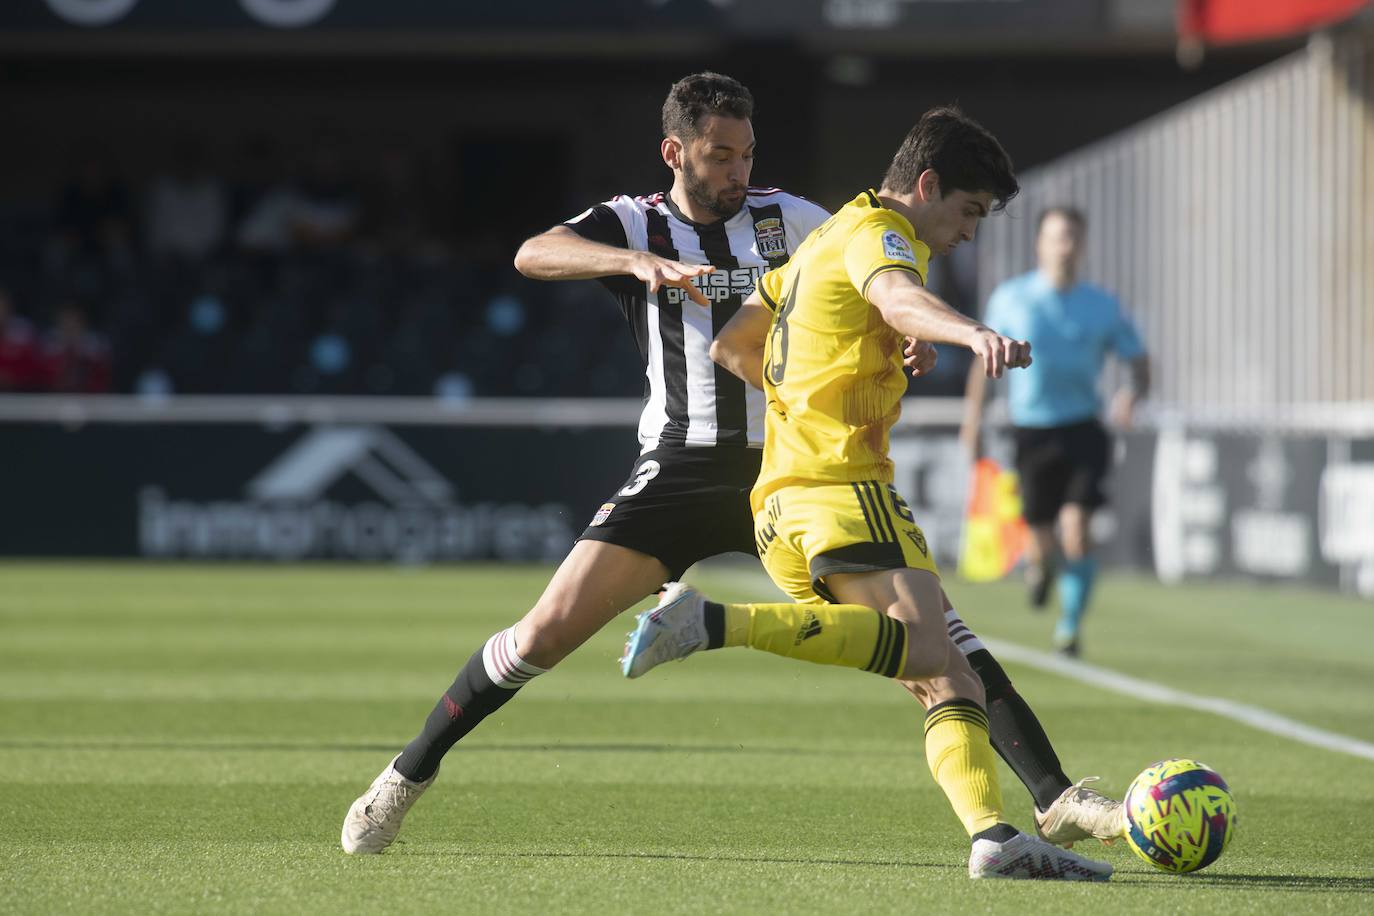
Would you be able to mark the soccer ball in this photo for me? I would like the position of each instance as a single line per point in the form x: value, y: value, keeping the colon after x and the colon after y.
x: 1179, y: 815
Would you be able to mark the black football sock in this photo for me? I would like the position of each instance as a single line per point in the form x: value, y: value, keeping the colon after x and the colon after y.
x: 714, y: 615
x: 1017, y: 734
x: 998, y: 833
x: 486, y: 683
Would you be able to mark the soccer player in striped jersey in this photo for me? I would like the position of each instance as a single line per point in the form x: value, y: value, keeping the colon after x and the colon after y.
x: 680, y: 264
x: 823, y: 336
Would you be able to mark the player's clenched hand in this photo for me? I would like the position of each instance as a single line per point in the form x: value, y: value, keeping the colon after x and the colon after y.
x: 1000, y: 353
x: 659, y: 272
x: 919, y: 356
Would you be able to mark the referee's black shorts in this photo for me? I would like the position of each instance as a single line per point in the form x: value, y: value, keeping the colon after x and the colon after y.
x: 682, y: 505
x: 1059, y: 465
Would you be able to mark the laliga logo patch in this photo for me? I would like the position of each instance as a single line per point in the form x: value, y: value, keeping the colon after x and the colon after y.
x: 602, y: 514
x: 897, y: 248
x: 772, y: 238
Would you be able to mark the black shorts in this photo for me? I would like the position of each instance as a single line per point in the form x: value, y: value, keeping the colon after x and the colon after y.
x: 682, y: 505
x: 1059, y: 465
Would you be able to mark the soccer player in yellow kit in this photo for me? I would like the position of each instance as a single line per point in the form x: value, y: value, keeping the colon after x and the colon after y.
x: 827, y: 335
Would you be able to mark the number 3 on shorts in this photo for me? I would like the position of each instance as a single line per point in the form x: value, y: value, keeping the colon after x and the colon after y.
x: 647, y: 472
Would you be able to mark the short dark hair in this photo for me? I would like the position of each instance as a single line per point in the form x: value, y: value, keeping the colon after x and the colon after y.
x: 965, y: 155
x: 694, y: 97
x: 1072, y: 214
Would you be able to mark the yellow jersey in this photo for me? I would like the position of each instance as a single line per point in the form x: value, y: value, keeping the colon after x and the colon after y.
x: 832, y: 367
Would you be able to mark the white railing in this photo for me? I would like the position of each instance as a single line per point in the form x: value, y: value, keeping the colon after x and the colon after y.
x: 272, y: 410
x: 1352, y: 419
x: 282, y: 410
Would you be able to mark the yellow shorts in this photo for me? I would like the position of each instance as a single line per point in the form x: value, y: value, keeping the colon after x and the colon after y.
x: 809, y: 531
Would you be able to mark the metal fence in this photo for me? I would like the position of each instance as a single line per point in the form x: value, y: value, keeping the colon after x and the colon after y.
x: 1238, y: 230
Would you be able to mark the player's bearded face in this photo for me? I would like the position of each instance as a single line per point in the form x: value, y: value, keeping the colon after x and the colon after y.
x: 716, y: 165
x: 724, y: 199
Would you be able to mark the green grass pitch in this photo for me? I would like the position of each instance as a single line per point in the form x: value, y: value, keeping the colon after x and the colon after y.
x: 186, y: 739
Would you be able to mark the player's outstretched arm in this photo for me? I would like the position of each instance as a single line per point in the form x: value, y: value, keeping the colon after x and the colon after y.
x: 739, y: 345
x: 911, y: 309
x: 562, y: 254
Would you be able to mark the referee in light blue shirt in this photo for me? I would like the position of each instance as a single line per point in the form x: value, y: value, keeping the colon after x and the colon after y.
x: 1063, y: 452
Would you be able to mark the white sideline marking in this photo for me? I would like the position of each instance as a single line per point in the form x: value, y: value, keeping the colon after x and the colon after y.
x: 1253, y: 716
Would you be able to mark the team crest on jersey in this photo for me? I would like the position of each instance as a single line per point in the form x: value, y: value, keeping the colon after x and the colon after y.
x: 897, y: 248
x: 772, y: 238
x: 602, y: 514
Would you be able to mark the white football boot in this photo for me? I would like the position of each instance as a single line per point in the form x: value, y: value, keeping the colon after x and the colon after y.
x: 1024, y: 857
x: 375, y: 818
x: 674, y: 628
x: 1080, y: 813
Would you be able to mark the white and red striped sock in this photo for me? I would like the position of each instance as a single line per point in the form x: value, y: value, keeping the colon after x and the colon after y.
x: 967, y: 641
x: 490, y: 679
x: 504, y: 665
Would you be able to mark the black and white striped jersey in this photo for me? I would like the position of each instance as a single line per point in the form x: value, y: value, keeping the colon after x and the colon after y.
x: 688, y: 399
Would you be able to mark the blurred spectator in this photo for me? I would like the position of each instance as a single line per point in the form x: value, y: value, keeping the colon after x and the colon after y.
x: 267, y: 221
x: 187, y: 208
x: 328, y: 209
x: 396, y: 212
x: 93, y: 214
x: 20, y: 369
x: 356, y: 292
x: 319, y: 212
x: 74, y: 358
x: 256, y: 170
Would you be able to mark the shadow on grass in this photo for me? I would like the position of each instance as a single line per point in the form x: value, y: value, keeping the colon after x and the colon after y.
x: 1341, y: 883
x: 1344, y: 884
x: 687, y: 857
x: 333, y: 746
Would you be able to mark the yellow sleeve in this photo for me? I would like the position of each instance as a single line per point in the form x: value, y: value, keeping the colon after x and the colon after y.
x: 882, y: 242
x: 770, y: 287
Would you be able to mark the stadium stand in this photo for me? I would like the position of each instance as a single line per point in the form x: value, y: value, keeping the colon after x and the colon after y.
x: 329, y: 285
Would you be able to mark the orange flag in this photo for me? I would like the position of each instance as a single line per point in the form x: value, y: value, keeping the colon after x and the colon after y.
x: 994, y: 532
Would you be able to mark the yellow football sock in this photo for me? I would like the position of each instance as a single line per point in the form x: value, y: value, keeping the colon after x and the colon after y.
x: 963, y: 763
x: 850, y: 635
